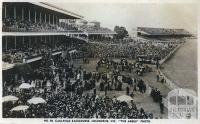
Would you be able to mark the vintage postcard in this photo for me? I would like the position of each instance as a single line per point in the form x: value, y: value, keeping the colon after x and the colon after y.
x: 99, y: 61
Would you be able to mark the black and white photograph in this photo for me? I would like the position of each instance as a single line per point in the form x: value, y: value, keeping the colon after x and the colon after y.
x: 93, y: 60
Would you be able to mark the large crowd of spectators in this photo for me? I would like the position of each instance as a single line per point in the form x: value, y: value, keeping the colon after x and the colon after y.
x: 19, y: 55
x: 25, y: 52
x: 69, y: 92
x: 94, y: 29
x: 18, y: 25
x: 148, y: 52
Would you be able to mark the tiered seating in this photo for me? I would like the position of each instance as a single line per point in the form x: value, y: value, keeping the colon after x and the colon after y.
x: 17, y: 25
x: 93, y: 29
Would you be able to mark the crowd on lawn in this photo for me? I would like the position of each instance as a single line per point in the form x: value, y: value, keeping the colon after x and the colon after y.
x: 71, y: 92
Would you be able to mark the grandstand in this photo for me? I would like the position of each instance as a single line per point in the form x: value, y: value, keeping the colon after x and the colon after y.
x: 28, y: 27
x: 35, y: 17
x: 161, y: 32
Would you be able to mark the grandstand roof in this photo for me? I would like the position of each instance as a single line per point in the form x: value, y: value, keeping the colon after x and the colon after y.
x: 58, y: 9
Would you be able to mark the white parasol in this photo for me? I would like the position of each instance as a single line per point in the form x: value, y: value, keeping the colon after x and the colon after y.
x: 124, y: 98
x: 36, y: 100
x: 20, y: 108
x: 25, y: 86
x: 53, y: 67
x: 10, y: 98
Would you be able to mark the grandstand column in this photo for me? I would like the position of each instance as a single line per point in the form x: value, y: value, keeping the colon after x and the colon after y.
x: 36, y: 40
x: 56, y: 20
x: 40, y: 17
x: 22, y: 14
x: 6, y: 43
x: 53, y: 19
x: 23, y: 40
x: 49, y: 39
x: 45, y: 39
x: 45, y: 18
x: 35, y: 17
x: 5, y: 12
x: 53, y: 41
x: 67, y: 22
x: 15, y: 42
x: 49, y: 19
x: 87, y: 35
x: 15, y: 12
x: 29, y: 14
x: 29, y: 42
x: 41, y: 41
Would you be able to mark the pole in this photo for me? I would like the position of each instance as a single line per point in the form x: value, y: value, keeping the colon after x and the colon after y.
x: 53, y: 19
x: 23, y: 41
x: 40, y: 17
x: 36, y: 40
x: 49, y: 19
x: 15, y: 12
x: 45, y: 18
x: 29, y: 42
x: 5, y: 12
x: 15, y: 42
x: 22, y: 14
x: 29, y: 15
x: 45, y: 39
x: 35, y: 17
x: 6, y: 43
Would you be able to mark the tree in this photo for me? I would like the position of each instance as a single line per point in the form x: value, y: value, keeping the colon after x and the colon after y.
x: 121, y: 32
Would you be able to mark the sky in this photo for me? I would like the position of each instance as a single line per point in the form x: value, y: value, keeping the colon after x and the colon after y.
x: 132, y: 15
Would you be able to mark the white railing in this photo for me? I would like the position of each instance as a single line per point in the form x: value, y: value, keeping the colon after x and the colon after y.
x: 170, y: 54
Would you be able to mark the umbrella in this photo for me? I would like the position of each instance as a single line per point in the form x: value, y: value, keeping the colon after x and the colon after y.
x: 124, y: 98
x: 53, y: 67
x: 10, y: 98
x: 20, y: 108
x: 7, y: 65
x: 36, y: 100
x: 25, y: 86
x: 73, y: 80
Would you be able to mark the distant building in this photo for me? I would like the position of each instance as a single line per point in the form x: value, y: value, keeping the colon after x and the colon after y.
x: 81, y: 22
x: 94, y: 23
